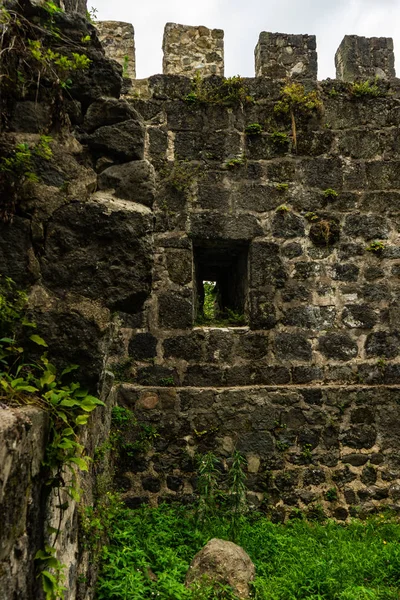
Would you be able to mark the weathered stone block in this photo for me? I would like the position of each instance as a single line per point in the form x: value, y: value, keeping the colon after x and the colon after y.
x: 143, y: 346
x: 266, y: 268
x: 131, y: 181
x: 361, y: 57
x: 279, y: 55
x: 118, y: 41
x: 214, y: 225
x: 186, y: 347
x: 367, y: 226
x: 108, y: 111
x: 286, y: 225
x: 337, y: 346
x: 292, y: 346
x: 123, y: 141
x: 174, y: 311
x: 101, y: 249
x: 179, y: 265
x: 312, y: 317
x: 189, y: 50
x: 262, y: 311
x: 383, y: 343
x: 357, y: 316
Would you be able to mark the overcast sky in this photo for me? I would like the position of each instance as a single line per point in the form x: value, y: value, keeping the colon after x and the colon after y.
x: 242, y: 21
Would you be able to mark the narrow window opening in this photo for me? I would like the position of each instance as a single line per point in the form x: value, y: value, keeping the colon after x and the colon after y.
x: 220, y: 283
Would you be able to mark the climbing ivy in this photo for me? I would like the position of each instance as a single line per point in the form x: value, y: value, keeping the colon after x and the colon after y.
x: 28, y: 380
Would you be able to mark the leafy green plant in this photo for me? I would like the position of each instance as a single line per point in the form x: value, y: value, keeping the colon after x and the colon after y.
x: 377, y: 247
x: 296, y: 102
x: 231, y: 92
x: 181, y: 175
x: 253, y: 129
x: 279, y: 139
x: 311, y: 216
x: 36, y: 382
x: 360, y: 89
x: 330, y: 194
x: 150, y: 550
x: 125, y: 66
x: 237, y: 491
x: 51, y: 572
x: 331, y: 495
x: 282, y: 187
x: 208, y: 476
x: 283, y: 208
x: 238, y: 161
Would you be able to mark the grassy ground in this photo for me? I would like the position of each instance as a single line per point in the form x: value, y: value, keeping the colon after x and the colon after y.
x: 150, y: 551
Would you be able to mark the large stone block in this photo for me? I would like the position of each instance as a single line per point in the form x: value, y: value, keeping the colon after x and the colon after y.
x: 122, y: 141
x: 214, y: 225
x: 118, y: 41
x: 281, y: 55
x: 134, y: 181
x: 101, y: 249
x: 189, y: 50
x: 361, y: 57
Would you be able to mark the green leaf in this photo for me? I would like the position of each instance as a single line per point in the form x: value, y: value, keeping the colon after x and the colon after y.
x: 47, y: 378
x: 38, y: 340
x: 69, y: 403
x: 81, y: 419
x: 80, y: 462
x: 67, y: 431
x: 26, y: 388
x: 69, y: 369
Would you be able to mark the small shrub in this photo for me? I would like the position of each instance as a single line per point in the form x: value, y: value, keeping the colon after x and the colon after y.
x: 330, y: 194
x: 282, y: 187
x: 324, y: 232
x: 365, y: 88
x: 253, y: 129
x: 231, y: 92
x: 181, y: 175
x: 377, y: 247
x: 331, y: 495
x: 279, y: 139
x: 233, y: 163
x: 282, y: 208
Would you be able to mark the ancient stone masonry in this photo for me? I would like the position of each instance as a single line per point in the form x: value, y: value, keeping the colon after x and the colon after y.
x: 308, y: 236
x: 118, y: 40
x: 279, y: 56
x: 188, y: 50
x: 364, y: 57
x: 290, y: 202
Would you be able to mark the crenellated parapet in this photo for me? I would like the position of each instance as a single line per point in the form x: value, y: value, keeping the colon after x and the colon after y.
x: 188, y: 50
x: 360, y: 58
x: 279, y: 55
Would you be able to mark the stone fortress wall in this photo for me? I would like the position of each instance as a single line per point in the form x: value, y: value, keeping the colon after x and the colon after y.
x: 308, y: 388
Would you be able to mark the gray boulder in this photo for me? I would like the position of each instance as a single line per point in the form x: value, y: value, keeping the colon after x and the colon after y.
x: 225, y: 563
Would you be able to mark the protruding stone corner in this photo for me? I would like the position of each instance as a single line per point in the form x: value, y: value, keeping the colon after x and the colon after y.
x: 282, y: 55
x: 118, y: 41
x: 75, y: 6
x: 192, y: 49
x: 360, y: 57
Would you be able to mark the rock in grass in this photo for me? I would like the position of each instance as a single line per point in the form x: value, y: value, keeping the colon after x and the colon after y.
x: 225, y: 563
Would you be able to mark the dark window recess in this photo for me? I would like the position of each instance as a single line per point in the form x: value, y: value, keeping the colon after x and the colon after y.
x: 220, y: 283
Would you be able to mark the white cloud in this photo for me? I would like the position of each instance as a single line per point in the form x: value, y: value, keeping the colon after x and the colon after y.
x: 242, y: 22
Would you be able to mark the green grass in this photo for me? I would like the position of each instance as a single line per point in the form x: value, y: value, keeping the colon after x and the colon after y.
x: 297, y: 561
